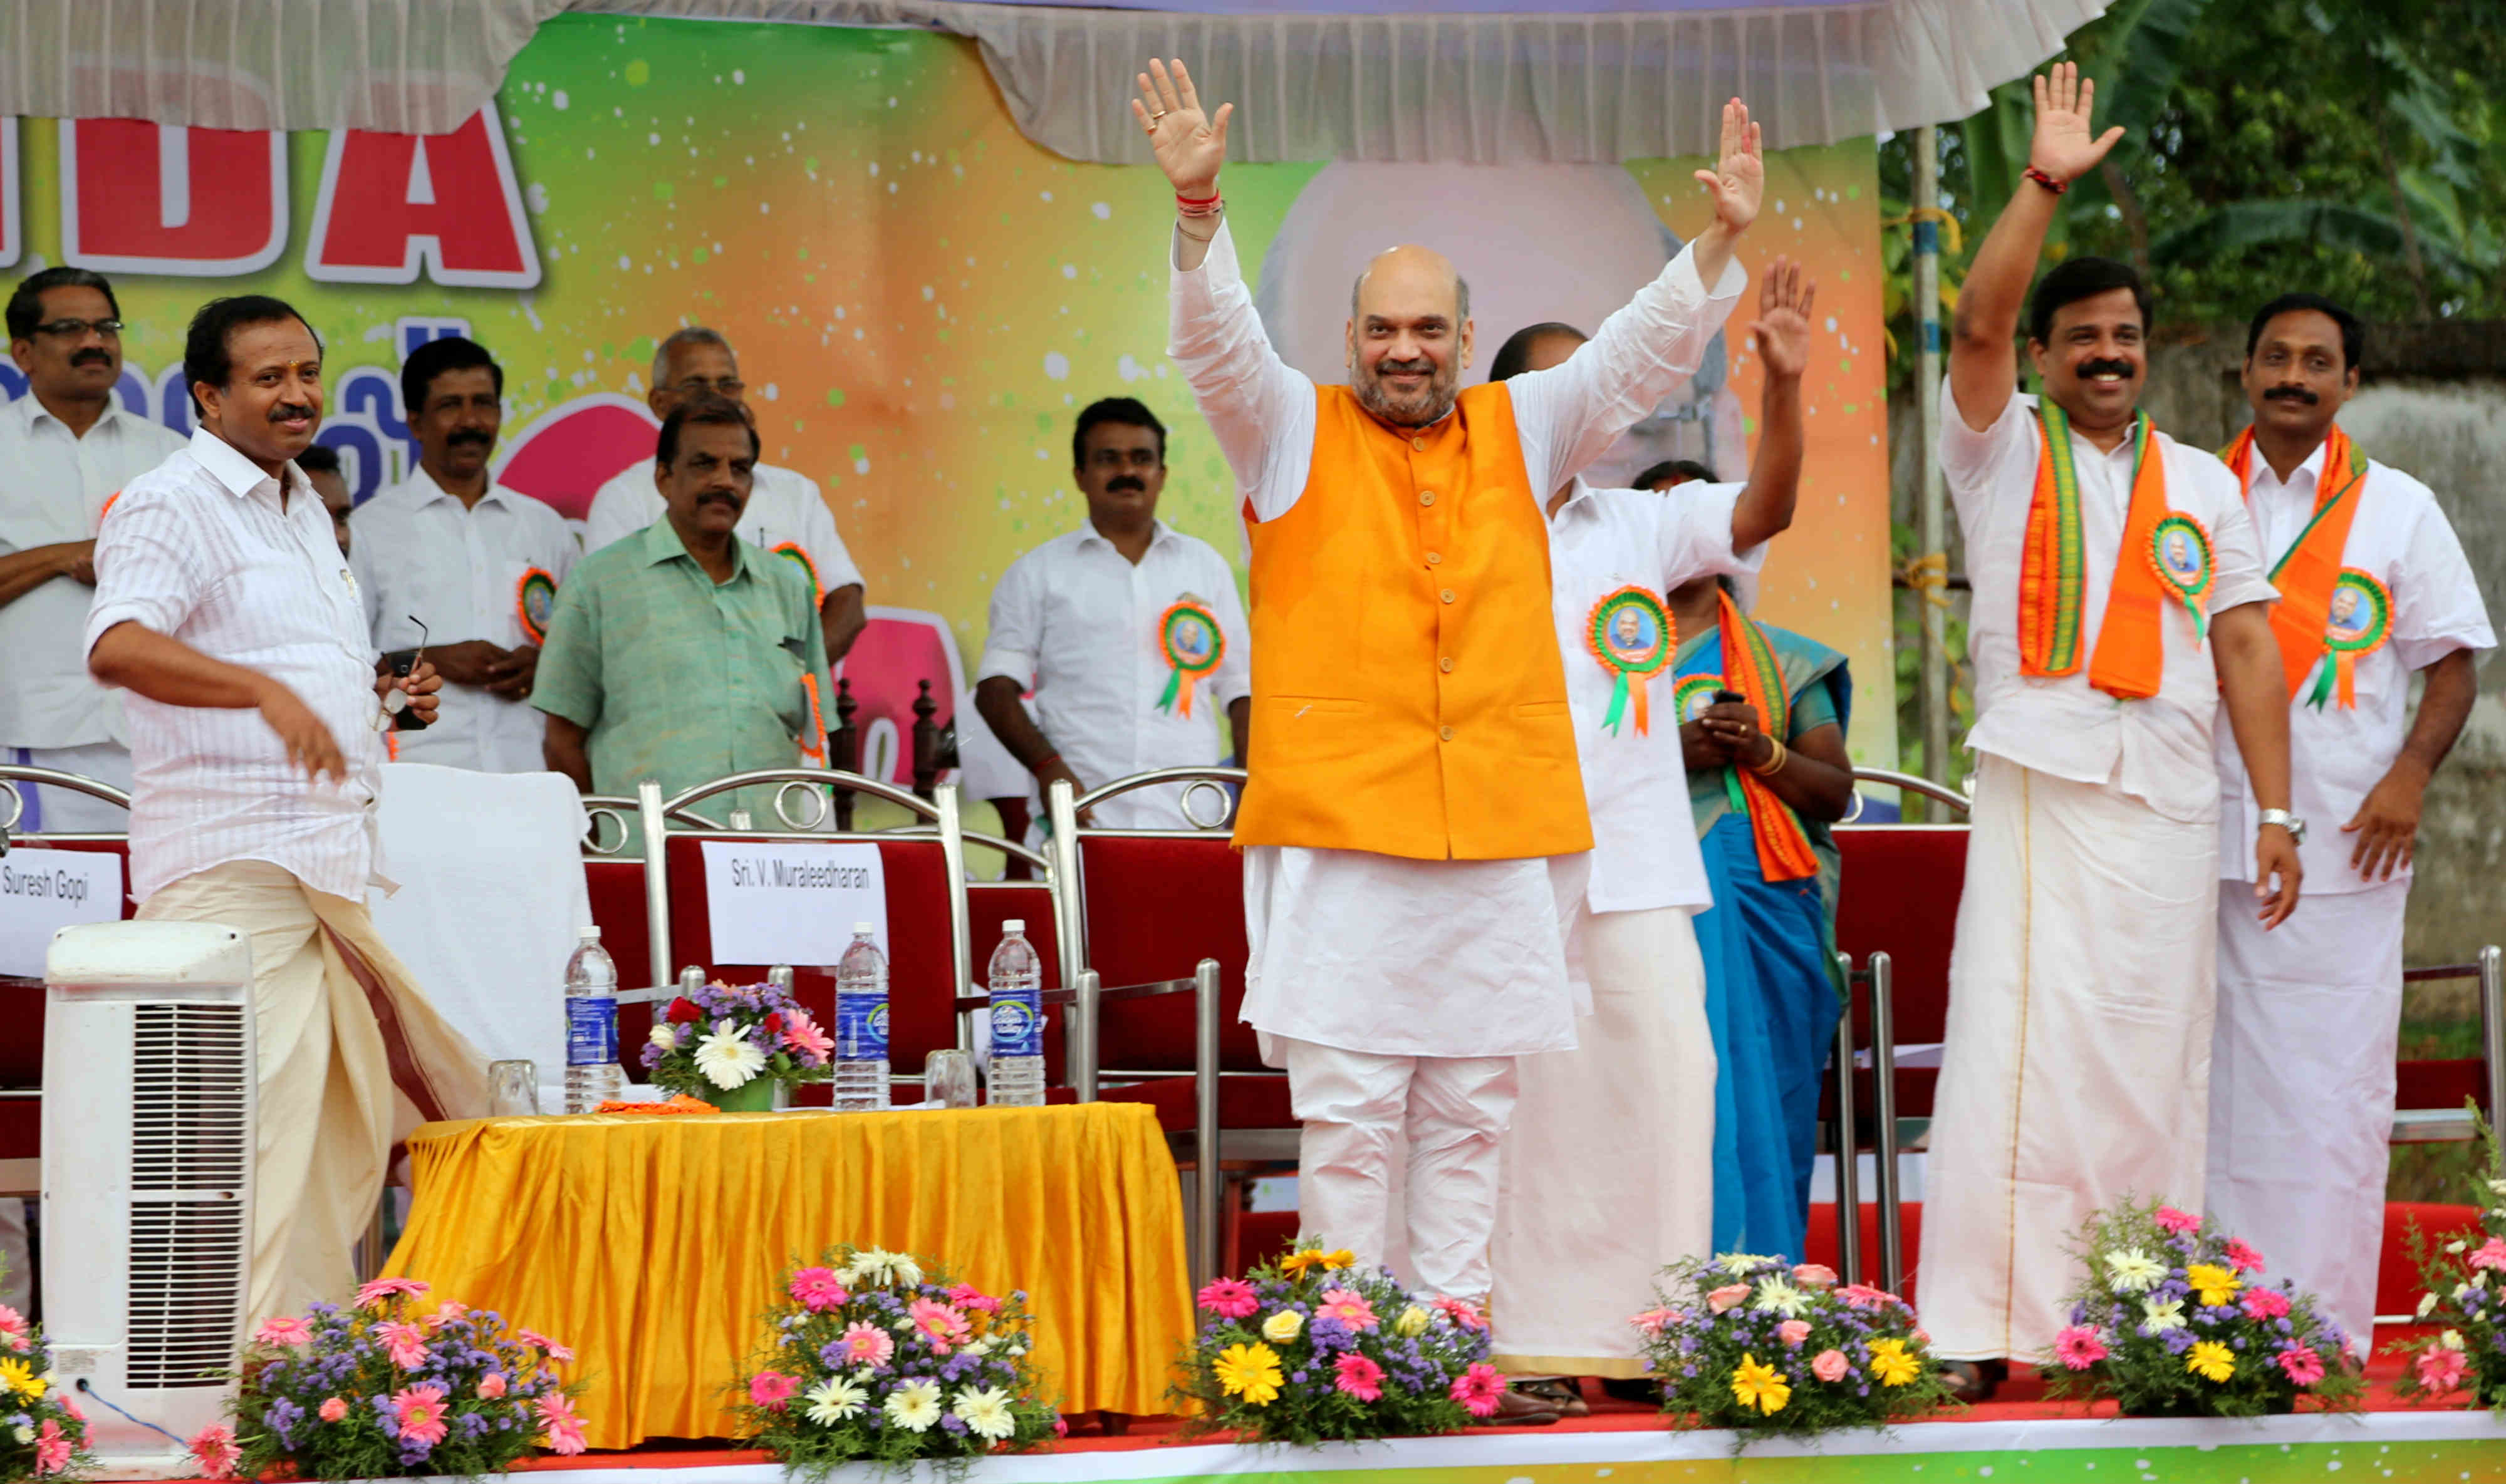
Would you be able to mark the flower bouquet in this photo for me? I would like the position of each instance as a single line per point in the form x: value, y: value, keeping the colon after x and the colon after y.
x: 2465, y: 1279
x: 2172, y: 1320
x: 1758, y: 1345
x: 379, y: 1389
x: 735, y: 1047
x: 43, y: 1434
x: 874, y: 1358
x: 1310, y: 1348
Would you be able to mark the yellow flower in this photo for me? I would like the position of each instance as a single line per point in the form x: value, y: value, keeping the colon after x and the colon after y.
x: 1298, y: 1265
x: 1411, y: 1324
x: 2211, y: 1284
x: 1891, y: 1362
x: 1284, y: 1326
x: 19, y: 1376
x: 2211, y: 1360
x: 1249, y: 1371
x: 1760, y: 1386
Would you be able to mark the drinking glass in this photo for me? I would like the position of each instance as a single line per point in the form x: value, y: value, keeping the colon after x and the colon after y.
x: 948, y: 1079
x: 512, y: 1090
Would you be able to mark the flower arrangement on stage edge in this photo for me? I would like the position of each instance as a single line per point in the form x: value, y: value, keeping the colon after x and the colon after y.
x: 43, y: 1434
x: 377, y: 1389
x: 872, y: 1358
x: 2173, y: 1320
x: 1311, y: 1349
x: 734, y: 1046
x: 2465, y: 1282
x: 1762, y: 1346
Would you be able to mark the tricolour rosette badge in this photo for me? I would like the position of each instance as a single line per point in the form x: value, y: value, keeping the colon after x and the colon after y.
x: 2359, y: 621
x: 1629, y: 633
x: 534, y: 599
x: 2179, y: 551
x: 1191, y: 643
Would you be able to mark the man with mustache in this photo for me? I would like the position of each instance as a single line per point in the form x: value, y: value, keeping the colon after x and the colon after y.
x: 1414, y: 830
x: 2373, y: 588
x: 66, y: 447
x: 2076, y: 1069
x: 1111, y: 627
x: 685, y: 653
x: 786, y: 513
x: 449, y: 559
x: 257, y: 711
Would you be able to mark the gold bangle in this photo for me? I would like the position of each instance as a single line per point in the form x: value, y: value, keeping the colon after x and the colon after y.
x: 1775, y: 762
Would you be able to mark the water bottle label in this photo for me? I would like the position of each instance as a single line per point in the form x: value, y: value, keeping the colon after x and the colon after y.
x: 861, y: 1029
x: 590, y: 1031
x: 1017, y: 1029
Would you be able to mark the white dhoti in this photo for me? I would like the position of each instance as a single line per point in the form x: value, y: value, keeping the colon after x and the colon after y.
x: 1609, y: 1166
x: 350, y: 1057
x: 2076, y: 1069
x: 2301, y: 1088
x: 1397, y: 995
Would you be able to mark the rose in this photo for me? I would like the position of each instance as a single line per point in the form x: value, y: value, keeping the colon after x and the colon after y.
x: 1829, y: 1366
x: 684, y: 1011
x: 1792, y: 1332
x: 1281, y: 1327
x: 1724, y: 1298
x: 1814, y: 1275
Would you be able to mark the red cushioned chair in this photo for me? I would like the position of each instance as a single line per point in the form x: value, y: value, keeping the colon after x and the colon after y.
x: 2428, y: 1096
x: 1148, y: 906
x: 1896, y: 916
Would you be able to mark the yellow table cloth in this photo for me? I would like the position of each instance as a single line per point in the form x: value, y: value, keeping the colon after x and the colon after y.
x: 653, y: 1245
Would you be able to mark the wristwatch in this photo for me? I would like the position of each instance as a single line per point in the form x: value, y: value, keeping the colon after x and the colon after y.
x: 2295, y: 826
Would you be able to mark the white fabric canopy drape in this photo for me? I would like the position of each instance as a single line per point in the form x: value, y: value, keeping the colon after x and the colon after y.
x: 1367, y: 82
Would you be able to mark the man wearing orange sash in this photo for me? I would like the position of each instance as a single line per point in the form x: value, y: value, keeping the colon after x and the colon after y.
x: 1415, y: 828
x: 2373, y: 586
x: 2118, y: 598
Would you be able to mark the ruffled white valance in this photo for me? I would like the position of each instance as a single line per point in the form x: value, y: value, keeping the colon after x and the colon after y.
x: 1367, y: 82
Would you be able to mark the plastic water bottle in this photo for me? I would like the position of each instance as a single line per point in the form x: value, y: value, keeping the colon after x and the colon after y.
x: 1017, y: 1010
x: 861, y: 1026
x: 593, y: 1076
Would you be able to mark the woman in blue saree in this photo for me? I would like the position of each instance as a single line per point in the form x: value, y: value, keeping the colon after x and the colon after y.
x: 1768, y: 773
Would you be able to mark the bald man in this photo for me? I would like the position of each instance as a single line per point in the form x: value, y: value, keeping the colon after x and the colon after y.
x: 1413, y: 829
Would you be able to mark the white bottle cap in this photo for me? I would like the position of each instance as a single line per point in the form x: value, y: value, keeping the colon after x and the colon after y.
x: 1015, y: 925
x: 863, y: 927
x: 591, y: 934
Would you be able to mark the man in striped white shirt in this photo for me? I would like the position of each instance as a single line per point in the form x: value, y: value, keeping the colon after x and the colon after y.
x: 256, y: 710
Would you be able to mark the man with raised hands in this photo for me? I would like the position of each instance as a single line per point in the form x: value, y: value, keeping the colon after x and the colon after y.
x: 1413, y: 829
x: 2119, y: 598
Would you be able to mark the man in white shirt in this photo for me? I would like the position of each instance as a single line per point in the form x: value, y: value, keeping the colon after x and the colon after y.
x: 451, y: 561
x: 2373, y: 589
x: 2078, y: 1047
x: 1128, y: 631
x: 224, y: 606
x: 1610, y: 1172
x: 786, y: 515
x: 64, y: 449
x: 1414, y: 829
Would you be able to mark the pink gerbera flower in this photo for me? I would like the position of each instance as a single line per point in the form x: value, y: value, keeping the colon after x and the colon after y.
x: 1462, y: 1312
x: 382, y: 1289
x: 2177, y: 1222
x: 1792, y: 1332
x: 2243, y: 1257
x: 545, y: 1346
x: 938, y: 1324
x: 2302, y: 1364
x: 1229, y: 1299
x: 405, y: 1344
x: 817, y: 1290
x: 1348, y: 1306
x: 1479, y: 1390
x: 966, y: 1295
x: 214, y: 1449
x: 1359, y: 1377
x: 286, y: 1329
x: 773, y: 1390
x: 418, y: 1412
x: 2264, y: 1304
x: 1862, y: 1295
x: 867, y: 1344
x: 1653, y: 1321
x: 2440, y: 1368
x: 53, y: 1449
x: 562, y: 1429
x: 2491, y: 1254
x: 2079, y: 1347
x: 11, y: 1320
x: 331, y: 1409
x: 803, y: 1035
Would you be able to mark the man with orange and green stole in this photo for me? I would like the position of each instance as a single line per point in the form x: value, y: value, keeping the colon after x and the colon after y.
x: 2373, y: 588
x: 2119, y: 598
x: 1415, y: 828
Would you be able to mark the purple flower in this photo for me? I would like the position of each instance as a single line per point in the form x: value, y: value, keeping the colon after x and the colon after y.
x: 954, y: 1424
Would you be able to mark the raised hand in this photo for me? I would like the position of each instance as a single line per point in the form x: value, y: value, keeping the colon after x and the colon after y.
x: 1191, y: 146
x: 1782, y: 333
x: 1738, y: 179
x: 2063, y: 148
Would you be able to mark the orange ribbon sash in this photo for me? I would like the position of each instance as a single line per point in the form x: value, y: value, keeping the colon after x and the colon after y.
x: 1750, y: 667
x: 2131, y: 651
x: 2308, y: 571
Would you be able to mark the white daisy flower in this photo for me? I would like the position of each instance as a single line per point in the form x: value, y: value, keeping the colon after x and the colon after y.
x: 833, y: 1400
x: 727, y: 1058
x: 914, y: 1406
x: 2162, y: 1314
x: 986, y: 1413
x: 1776, y: 1296
x: 2134, y: 1271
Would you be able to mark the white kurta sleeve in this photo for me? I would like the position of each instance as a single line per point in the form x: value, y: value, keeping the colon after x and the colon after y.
x: 1260, y: 408
x: 622, y: 506
x: 147, y: 566
x: 835, y: 568
x: 1015, y: 633
x: 2437, y: 606
x: 1695, y: 534
x: 1569, y: 414
x: 1982, y: 468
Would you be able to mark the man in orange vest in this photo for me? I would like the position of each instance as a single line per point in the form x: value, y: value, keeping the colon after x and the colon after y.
x: 1414, y: 830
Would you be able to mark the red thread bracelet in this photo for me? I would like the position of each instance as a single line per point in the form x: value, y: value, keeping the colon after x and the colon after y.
x: 2057, y: 187
x: 1190, y: 206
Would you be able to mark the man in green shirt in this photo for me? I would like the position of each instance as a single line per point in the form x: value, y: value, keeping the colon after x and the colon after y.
x: 684, y: 653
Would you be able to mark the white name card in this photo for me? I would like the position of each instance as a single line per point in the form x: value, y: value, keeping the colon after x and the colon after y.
x: 792, y: 901
x: 44, y: 890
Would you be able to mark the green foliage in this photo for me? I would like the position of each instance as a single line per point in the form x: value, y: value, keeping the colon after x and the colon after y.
x: 2464, y: 1278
